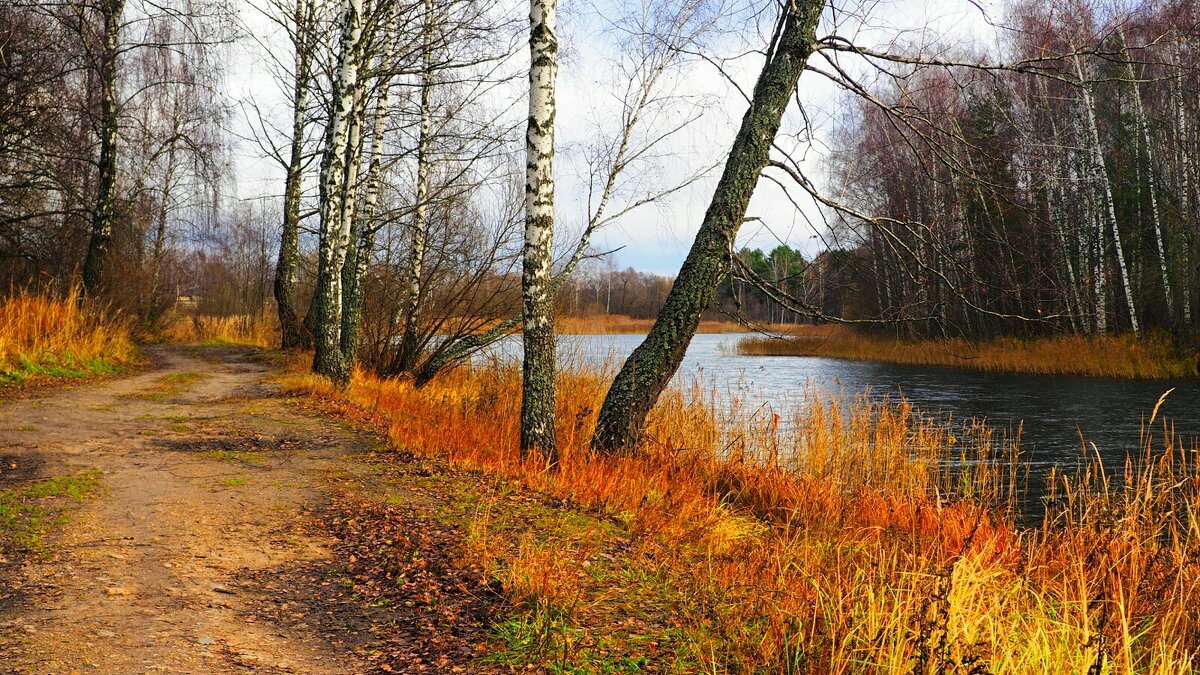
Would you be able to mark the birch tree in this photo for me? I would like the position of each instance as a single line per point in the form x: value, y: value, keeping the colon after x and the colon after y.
x: 1100, y: 178
x: 538, y: 367
x: 338, y: 167
x: 299, y: 22
x: 105, y: 214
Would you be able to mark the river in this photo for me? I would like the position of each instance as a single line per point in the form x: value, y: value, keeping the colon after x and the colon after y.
x: 1055, y: 411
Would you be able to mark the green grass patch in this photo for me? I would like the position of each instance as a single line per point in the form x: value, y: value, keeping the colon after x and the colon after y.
x: 59, y: 367
x: 28, y: 513
x: 168, y: 386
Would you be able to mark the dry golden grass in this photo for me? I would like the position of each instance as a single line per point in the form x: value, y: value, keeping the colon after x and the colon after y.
x: 612, y: 324
x: 1151, y: 356
x: 43, y: 336
x: 244, y: 329
x: 834, y: 540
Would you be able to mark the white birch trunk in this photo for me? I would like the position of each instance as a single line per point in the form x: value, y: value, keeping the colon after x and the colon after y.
x: 1100, y: 176
x: 1185, y: 176
x: 538, y: 396
x: 416, y: 253
x: 1144, y: 128
x: 335, y: 228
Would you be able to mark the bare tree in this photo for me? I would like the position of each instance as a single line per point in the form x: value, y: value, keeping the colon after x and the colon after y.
x: 647, y: 371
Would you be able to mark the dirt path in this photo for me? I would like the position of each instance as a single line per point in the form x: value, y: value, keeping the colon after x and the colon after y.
x: 203, y: 476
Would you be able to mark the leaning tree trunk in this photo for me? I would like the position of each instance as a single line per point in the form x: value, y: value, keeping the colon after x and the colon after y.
x: 292, y: 334
x: 335, y: 226
x: 537, y: 392
x: 1185, y: 182
x: 1100, y: 176
x: 648, y: 370
x: 105, y: 215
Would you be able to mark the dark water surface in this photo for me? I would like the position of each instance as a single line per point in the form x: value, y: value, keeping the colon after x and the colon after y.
x: 1054, y: 410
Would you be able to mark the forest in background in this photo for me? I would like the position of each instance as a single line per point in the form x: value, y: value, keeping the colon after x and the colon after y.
x: 1056, y: 194
x: 1035, y: 183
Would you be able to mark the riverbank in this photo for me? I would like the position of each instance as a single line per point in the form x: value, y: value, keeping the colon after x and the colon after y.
x: 834, y: 541
x: 1124, y: 356
x: 614, y: 324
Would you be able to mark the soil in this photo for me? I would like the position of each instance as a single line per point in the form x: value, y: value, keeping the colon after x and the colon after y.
x: 225, y: 536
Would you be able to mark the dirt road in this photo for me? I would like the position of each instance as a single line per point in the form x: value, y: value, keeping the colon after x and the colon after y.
x: 169, y: 565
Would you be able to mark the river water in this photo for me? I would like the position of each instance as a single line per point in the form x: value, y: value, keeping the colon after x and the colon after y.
x: 1055, y: 411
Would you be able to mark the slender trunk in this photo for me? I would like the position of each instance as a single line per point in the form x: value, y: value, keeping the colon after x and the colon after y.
x: 646, y: 373
x: 362, y: 241
x: 1100, y: 175
x: 409, y: 343
x: 153, y: 307
x: 105, y: 214
x: 335, y: 227
x: 1144, y: 128
x: 292, y: 335
x: 1185, y: 182
x: 538, y: 396
x: 1055, y: 196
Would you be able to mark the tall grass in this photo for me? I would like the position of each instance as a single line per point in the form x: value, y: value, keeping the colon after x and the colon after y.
x: 1151, y: 356
x: 613, y: 324
x: 45, y: 336
x: 846, y: 537
x: 261, y: 330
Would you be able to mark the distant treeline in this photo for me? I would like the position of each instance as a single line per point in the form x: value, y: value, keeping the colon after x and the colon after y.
x: 821, y: 283
x: 1005, y: 204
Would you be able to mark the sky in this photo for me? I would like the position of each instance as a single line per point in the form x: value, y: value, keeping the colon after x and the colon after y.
x: 656, y: 238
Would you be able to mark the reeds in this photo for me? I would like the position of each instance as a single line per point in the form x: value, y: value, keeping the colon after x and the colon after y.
x: 1151, y: 356
x: 613, y: 324
x: 251, y: 330
x: 841, y: 536
x: 45, y: 336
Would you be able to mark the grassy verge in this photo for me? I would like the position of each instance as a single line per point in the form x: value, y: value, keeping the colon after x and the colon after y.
x: 1151, y: 356
x: 834, y: 541
x: 612, y: 324
x: 28, y: 513
x: 45, y: 338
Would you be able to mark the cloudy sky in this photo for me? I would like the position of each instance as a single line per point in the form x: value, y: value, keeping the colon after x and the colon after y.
x: 656, y: 238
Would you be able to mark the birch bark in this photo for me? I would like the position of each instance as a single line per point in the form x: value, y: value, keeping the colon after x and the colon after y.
x: 362, y: 240
x: 646, y: 373
x: 416, y: 254
x: 1144, y: 129
x: 105, y: 214
x: 291, y: 333
x: 1100, y: 177
x: 335, y: 226
x: 538, y: 369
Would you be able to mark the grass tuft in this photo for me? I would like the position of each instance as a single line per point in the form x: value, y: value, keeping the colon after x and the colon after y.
x: 44, y: 337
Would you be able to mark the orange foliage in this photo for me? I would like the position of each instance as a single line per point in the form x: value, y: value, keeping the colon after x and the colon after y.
x: 839, y: 534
